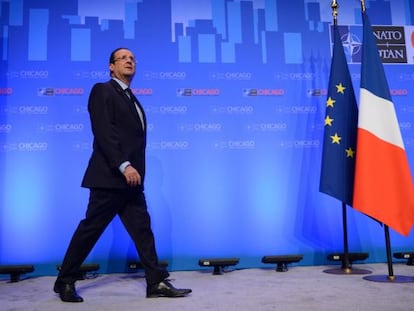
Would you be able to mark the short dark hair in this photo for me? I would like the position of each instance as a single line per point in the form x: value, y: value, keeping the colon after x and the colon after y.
x: 112, y: 56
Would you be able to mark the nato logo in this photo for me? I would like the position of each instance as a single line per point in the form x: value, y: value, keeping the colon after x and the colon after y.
x: 184, y: 92
x: 390, y: 40
x: 351, y: 41
x: 391, y: 43
x: 249, y: 92
x: 45, y: 91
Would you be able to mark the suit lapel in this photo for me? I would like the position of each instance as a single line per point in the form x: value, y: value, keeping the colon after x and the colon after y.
x: 130, y: 102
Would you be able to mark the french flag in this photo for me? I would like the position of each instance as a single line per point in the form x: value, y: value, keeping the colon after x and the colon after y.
x: 383, y: 186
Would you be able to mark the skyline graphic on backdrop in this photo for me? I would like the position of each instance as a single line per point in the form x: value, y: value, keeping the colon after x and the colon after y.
x: 212, y: 34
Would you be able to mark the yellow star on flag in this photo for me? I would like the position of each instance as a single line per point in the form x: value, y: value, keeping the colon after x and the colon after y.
x: 336, y: 139
x: 350, y: 152
x: 330, y: 102
x: 328, y: 120
x: 340, y: 88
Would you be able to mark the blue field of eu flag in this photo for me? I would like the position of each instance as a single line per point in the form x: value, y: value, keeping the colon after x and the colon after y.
x: 341, y: 122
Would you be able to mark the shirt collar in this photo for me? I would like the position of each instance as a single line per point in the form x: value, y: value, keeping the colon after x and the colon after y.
x: 122, y: 84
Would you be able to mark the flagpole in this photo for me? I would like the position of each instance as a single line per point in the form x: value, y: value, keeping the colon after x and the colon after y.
x: 334, y: 6
x: 346, y: 265
x: 390, y: 277
x: 345, y: 262
x: 363, y: 6
x: 388, y: 250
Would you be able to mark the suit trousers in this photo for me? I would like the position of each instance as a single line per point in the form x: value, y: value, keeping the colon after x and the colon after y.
x: 103, y: 206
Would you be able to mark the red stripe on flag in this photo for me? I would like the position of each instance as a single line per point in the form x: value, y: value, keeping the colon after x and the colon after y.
x: 383, y: 188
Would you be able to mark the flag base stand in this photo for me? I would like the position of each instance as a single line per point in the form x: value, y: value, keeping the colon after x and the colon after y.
x: 389, y: 279
x: 347, y: 259
x: 349, y: 271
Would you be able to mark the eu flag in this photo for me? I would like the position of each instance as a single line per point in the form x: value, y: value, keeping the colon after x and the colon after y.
x: 341, y: 122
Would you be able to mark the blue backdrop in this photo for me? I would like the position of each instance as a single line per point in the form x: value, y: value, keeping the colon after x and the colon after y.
x: 235, y: 97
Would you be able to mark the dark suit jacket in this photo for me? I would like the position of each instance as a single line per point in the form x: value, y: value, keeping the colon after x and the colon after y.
x: 118, y: 137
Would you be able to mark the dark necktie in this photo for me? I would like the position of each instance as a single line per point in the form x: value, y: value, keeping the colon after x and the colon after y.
x: 130, y: 95
x: 132, y: 99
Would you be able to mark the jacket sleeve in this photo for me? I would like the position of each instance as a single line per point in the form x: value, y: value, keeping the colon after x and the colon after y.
x: 102, y: 112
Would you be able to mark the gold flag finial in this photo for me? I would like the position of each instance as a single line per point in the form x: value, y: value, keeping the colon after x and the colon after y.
x: 334, y: 6
x: 363, y: 5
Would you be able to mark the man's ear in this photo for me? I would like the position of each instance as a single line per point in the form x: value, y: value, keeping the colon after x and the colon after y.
x: 111, y: 67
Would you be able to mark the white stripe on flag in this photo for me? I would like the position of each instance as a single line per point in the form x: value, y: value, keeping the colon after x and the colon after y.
x: 377, y: 115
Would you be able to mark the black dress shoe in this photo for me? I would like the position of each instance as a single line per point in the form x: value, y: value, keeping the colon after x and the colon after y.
x: 166, y: 289
x: 67, y: 292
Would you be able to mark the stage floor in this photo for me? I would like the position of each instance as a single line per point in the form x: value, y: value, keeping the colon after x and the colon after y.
x: 300, y: 288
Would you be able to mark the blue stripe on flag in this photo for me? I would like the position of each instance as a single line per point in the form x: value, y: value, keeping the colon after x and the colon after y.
x: 376, y: 81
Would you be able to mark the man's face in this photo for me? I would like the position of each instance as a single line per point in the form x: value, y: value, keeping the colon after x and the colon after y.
x: 123, y: 64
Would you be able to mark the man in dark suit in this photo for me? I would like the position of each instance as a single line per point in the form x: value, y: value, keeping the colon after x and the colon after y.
x: 115, y: 178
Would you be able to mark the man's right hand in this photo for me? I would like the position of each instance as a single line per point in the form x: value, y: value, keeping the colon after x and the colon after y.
x: 132, y: 177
